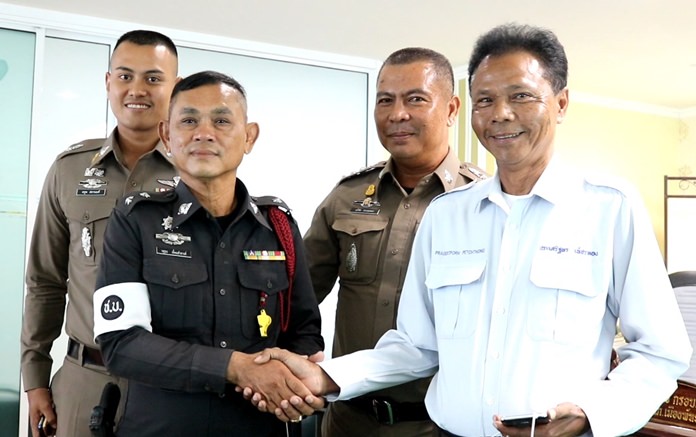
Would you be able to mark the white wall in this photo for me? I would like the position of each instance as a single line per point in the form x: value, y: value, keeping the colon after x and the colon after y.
x: 314, y: 109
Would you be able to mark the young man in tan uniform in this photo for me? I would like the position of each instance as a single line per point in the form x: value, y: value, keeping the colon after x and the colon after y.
x: 363, y: 231
x: 81, y: 189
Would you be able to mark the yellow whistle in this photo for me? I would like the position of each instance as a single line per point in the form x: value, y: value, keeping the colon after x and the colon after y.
x: 264, y: 322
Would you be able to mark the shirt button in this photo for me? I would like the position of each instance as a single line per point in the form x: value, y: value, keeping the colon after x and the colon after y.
x: 85, y: 216
x: 222, y: 292
x: 394, y: 251
x: 269, y: 284
x: 385, y: 302
x: 222, y: 245
x: 496, y: 355
x: 134, y: 184
x: 175, y: 278
x: 223, y: 344
x: 407, y: 205
x: 489, y: 401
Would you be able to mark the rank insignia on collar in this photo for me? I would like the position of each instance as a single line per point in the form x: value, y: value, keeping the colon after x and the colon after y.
x: 95, y: 172
x: 254, y: 207
x: 75, y: 146
x: 448, y: 177
x: 93, y: 183
x: 86, y: 241
x: 169, y: 183
x: 477, y: 172
x: 264, y: 255
x: 173, y: 238
x: 145, y: 195
x: 128, y: 200
x: 167, y: 223
x: 184, y: 208
x: 370, y: 190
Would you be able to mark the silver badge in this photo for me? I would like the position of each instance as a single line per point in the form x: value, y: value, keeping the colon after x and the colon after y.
x: 167, y: 223
x: 170, y: 183
x: 145, y: 195
x: 86, y: 242
x: 173, y: 239
x: 184, y: 208
x: 277, y: 200
x: 448, y: 177
x: 128, y: 200
x: 477, y: 172
x: 75, y: 146
x: 95, y: 172
x: 93, y: 183
x: 352, y: 259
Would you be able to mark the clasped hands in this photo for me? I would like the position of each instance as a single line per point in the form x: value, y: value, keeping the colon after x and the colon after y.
x: 280, y: 382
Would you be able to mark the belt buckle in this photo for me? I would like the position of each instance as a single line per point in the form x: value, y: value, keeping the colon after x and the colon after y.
x: 384, y: 413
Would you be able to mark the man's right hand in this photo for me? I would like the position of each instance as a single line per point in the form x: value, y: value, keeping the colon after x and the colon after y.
x: 41, y: 404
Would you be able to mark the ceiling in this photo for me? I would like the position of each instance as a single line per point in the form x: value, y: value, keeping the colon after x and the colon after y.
x: 633, y: 50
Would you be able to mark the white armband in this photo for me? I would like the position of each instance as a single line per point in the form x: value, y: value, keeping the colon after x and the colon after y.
x: 118, y: 307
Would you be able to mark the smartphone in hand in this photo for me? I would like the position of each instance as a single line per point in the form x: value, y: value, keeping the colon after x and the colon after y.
x: 523, y: 421
x: 45, y: 429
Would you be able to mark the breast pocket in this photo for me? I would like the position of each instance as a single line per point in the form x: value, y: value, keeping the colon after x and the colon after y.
x: 570, y: 301
x: 87, y: 219
x: 177, y: 295
x: 360, y: 239
x: 255, y: 278
x: 456, y: 291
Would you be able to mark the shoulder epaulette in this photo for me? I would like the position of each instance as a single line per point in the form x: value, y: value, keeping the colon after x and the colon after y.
x: 271, y: 201
x: 128, y: 202
x: 378, y: 166
x: 472, y: 172
x: 82, y: 146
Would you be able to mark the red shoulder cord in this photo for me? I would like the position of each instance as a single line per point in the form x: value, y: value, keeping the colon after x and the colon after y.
x: 282, y: 228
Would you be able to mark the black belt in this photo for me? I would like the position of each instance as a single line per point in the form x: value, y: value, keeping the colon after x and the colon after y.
x: 388, y: 412
x: 89, y: 355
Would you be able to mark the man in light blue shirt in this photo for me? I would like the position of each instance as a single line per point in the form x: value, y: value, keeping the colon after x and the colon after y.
x: 516, y: 283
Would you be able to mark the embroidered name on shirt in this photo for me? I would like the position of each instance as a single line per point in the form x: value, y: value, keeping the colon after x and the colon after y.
x: 178, y: 253
x: 562, y: 250
x: 264, y: 255
x: 459, y: 252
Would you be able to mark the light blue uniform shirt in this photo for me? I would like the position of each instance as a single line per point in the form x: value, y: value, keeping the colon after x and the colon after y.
x: 514, y: 309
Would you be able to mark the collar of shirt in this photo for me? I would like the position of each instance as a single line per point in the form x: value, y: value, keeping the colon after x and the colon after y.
x: 187, y: 204
x: 447, y: 172
x: 111, y: 145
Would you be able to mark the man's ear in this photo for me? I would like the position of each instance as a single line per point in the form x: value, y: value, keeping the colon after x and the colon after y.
x: 163, y: 129
x: 107, y: 81
x: 252, y: 134
x: 563, y: 102
x: 453, y: 110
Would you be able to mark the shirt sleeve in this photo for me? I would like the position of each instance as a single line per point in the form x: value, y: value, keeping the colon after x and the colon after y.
x: 322, y: 250
x: 403, y: 354
x: 46, y: 279
x: 658, y: 349
x: 134, y: 352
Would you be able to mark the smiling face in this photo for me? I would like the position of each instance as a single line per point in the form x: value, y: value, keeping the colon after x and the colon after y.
x: 515, y: 111
x: 208, y: 134
x: 139, y: 83
x: 413, y: 112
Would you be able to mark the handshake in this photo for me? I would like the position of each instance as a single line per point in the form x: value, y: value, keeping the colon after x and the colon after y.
x: 280, y: 382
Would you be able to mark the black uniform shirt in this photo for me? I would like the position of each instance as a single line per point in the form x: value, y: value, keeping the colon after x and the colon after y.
x: 204, y: 295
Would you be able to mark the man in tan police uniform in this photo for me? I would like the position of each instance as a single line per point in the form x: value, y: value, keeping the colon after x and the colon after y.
x: 81, y: 189
x: 363, y: 231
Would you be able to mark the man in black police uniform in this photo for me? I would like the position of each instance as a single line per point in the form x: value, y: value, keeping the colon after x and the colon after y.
x: 196, y: 281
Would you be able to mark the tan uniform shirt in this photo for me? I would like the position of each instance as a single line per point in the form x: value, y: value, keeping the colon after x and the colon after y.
x: 362, y: 233
x: 80, y: 190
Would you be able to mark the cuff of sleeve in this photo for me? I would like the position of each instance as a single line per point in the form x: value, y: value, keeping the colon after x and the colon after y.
x: 36, y: 375
x: 209, y: 369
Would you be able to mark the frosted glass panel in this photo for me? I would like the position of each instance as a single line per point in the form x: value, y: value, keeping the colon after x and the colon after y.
x: 16, y: 81
x: 313, y: 125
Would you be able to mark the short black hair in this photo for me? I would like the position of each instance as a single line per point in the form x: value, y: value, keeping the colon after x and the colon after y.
x: 147, y: 38
x: 409, y: 55
x: 203, y: 78
x: 512, y: 37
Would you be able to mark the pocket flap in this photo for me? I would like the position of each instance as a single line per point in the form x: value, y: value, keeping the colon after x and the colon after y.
x: 443, y: 275
x: 173, y: 275
x: 356, y: 225
x: 268, y: 276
